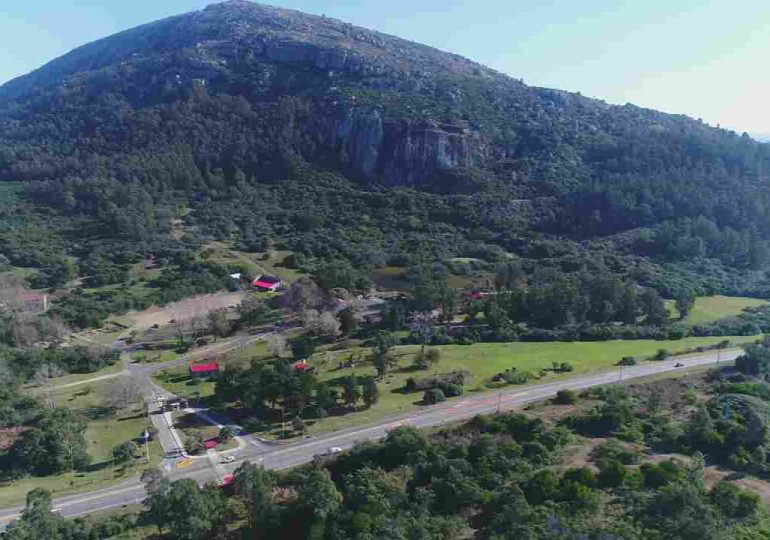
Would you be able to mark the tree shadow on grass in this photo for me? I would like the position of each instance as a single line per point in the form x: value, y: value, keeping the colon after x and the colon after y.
x: 98, y: 412
x: 94, y: 467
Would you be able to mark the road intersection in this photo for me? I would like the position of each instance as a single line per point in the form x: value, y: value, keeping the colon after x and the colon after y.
x: 275, y: 455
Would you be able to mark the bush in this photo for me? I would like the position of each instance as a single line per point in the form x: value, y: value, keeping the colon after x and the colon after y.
x: 125, y: 452
x: 433, y: 356
x: 566, y: 397
x: 627, y: 361
x: 562, y: 367
x: 614, y: 450
x: 427, y: 383
x: 225, y: 434
x: 513, y: 376
x: 732, y: 501
x: 611, y: 473
x: 194, y: 444
x: 298, y: 425
x: 662, y: 354
x: 433, y: 396
x: 254, y: 425
x: 451, y: 389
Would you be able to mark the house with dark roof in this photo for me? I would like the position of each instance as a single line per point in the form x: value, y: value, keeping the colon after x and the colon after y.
x: 267, y: 283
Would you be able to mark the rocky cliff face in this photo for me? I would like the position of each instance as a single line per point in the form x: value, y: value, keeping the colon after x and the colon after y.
x: 266, y: 53
x: 404, y: 152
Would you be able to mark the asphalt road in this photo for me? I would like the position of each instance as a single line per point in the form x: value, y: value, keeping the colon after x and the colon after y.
x: 281, y: 456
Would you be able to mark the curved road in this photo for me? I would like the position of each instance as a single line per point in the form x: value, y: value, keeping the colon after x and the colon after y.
x: 282, y: 455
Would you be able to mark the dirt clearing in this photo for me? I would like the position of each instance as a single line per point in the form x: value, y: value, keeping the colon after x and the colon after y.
x: 196, y: 305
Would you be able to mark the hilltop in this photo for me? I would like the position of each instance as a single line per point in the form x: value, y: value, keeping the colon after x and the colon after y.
x: 268, y: 127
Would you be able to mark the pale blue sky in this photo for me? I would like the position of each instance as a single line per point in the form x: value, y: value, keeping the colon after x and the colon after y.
x: 705, y: 58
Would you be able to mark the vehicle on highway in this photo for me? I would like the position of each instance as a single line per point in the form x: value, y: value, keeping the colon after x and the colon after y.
x: 679, y: 364
x: 229, y: 459
x: 334, y: 450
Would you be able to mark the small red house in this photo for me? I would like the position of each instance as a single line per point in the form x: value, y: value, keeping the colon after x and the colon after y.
x: 210, y: 443
x: 204, y: 370
x: 267, y: 283
x: 301, y: 366
x: 227, y: 480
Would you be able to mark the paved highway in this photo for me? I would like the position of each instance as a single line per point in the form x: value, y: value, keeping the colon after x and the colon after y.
x: 281, y: 456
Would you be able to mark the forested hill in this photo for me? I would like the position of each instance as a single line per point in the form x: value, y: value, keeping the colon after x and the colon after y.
x: 257, y: 124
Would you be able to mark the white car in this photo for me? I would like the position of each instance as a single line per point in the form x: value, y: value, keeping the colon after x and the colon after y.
x: 229, y: 459
x: 334, y: 450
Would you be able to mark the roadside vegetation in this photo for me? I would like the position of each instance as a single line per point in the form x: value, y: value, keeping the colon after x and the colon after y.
x: 665, y: 458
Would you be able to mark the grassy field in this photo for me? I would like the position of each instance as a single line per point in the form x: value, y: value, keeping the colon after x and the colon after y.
x: 178, y: 381
x: 271, y: 262
x: 154, y: 357
x: 257, y: 349
x: 117, y: 367
x: 712, y: 308
x: 485, y: 360
x: 104, y: 432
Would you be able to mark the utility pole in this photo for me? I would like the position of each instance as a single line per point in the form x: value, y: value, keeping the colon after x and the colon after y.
x: 147, y: 433
x: 621, y: 372
x: 499, y: 399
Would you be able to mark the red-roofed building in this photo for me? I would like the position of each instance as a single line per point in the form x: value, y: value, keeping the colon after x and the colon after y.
x: 267, y: 283
x: 204, y: 370
x: 210, y: 443
x: 301, y: 366
x: 227, y: 480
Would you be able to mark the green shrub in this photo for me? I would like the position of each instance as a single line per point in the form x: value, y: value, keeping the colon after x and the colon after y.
x: 125, y: 451
x: 436, y: 395
x: 627, y: 361
x: 566, y: 397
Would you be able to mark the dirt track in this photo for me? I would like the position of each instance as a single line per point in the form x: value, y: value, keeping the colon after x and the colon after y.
x: 200, y: 304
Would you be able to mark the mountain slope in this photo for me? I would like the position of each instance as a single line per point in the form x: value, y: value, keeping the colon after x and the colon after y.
x: 273, y: 125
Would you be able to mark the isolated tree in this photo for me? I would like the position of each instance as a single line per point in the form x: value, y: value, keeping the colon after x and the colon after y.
x: 189, y: 512
x: 509, y: 275
x: 255, y: 486
x: 58, y: 444
x: 319, y: 497
x: 298, y: 425
x: 325, y: 397
x: 150, y: 478
x: 124, y: 393
x: 304, y: 294
x: 194, y: 444
x: 754, y: 361
x: 370, y: 393
x: 43, y: 377
x: 303, y: 347
x: 351, y: 392
x: 448, y: 305
x: 382, y: 345
x: 349, y: 320
x: 423, y: 327
x: 653, y: 308
x: 254, y: 311
x: 125, y: 451
x: 219, y: 324
x: 685, y: 301
x: 278, y: 345
x: 37, y: 520
x: 322, y: 324
x: 225, y: 434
